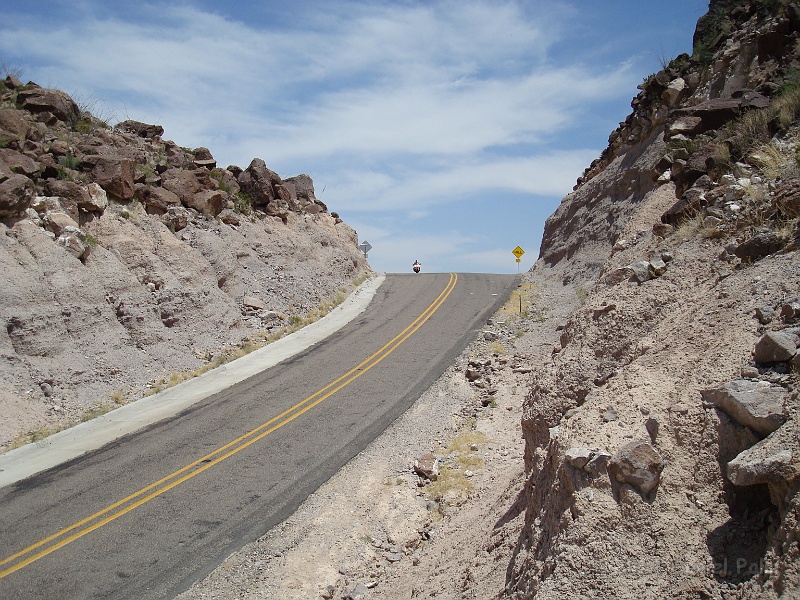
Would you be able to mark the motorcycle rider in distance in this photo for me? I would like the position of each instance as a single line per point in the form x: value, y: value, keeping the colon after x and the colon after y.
x: 416, y: 266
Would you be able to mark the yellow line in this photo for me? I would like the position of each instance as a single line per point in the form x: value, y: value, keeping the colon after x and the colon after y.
x: 223, y: 452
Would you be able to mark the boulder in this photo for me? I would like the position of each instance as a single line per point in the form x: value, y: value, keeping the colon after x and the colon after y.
x: 790, y: 311
x: 203, y: 158
x: 765, y: 314
x: 196, y: 189
x: 69, y: 194
x: 114, y: 174
x: 230, y: 217
x: 16, y: 194
x: 760, y: 245
x: 687, y: 206
x: 775, y: 346
x: 19, y: 163
x: 227, y: 180
x: 684, y: 125
x: 140, y: 129
x: 672, y: 94
x: 301, y: 190
x: 208, y: 202
x: 76, y: 196
x: 98, y: 199
x: 712, y: 113
x: 156, y: 199
x: 266, y: 189
x: 587, y: 460
x: 787, y: 198
x: 15, y: 122
x: 754, y: 404
x: 253, y: 302
x: 760, y: 465
x: 638, y: 464
x: 57, y: 221
x: 641, y: 270
x: 43, y: 100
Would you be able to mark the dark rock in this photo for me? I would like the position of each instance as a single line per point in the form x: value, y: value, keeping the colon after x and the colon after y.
x: 19, y: 163
x: 140, y: 129
x: 55, y: 102
x: 208, y: 202
x: 760, y: 245
x: 114, y: 174
x: 790, y: 311
x: 203, y: 158
x: 713, y: 113
x: 787, y: 198
x: 652, y: 425
x: 427, y: 466
x: 157, y: 200
x: 15, y: 122
x: 16, y: 194
x: 689, y: 204
x: 301, y: 190
x: 266, y: 189
x: 257, y: 181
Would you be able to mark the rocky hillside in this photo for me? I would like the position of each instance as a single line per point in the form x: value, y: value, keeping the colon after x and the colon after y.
x: 662, y: 436
x: 130, y: 263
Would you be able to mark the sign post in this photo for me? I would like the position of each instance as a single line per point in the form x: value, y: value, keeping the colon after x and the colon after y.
x: 365, y: 247
x: 518, y: 252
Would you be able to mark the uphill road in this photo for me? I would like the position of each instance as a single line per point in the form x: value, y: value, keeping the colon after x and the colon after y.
x: 147, y: 514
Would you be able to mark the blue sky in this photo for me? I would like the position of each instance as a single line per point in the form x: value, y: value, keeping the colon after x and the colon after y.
x: 441, y: 131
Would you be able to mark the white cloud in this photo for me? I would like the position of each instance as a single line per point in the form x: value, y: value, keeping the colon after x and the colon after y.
x: 543, y: 175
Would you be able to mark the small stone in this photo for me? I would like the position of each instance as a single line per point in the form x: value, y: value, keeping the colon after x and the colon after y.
x: 749, y: 372
x: 765, y: 314
x: 252, y: 302
x: 427, y: 466
x: 638, y: 464
x: 790, y: 311
x: 357, y: 593
x: 652, y: 424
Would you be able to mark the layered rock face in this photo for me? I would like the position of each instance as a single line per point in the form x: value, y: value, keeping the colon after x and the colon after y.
x: 662, y: 438
x: 128, y: 260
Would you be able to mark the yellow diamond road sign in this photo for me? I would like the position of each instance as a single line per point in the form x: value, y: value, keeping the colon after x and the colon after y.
x: 518, y: 252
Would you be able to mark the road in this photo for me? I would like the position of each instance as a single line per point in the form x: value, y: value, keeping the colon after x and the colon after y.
x: 150, y: 513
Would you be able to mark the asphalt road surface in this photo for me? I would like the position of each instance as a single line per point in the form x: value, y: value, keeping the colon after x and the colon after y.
x: 150, y: 513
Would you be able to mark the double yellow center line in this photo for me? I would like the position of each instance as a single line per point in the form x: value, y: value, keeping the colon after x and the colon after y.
x: 77, y: 530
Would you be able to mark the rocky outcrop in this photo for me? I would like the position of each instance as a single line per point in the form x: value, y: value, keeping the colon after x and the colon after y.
x: 130, y: 262
x: 661, y: 436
